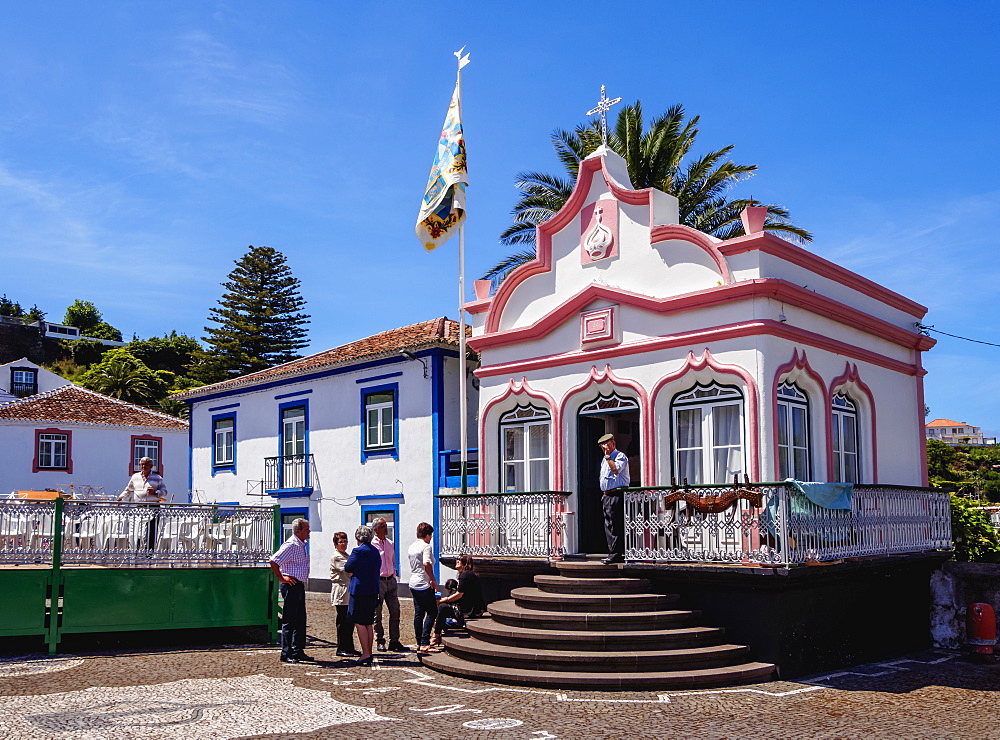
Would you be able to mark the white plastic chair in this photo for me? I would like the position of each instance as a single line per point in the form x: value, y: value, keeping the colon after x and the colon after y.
x: 13, y: 529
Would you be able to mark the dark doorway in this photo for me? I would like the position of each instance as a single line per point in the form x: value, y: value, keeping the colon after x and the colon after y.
x: 591, y: 426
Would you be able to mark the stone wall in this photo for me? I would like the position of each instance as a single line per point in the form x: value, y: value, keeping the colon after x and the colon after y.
x: 953, y: 588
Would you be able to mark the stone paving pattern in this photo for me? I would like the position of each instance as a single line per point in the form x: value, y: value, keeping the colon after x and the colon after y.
x: 116, y: 688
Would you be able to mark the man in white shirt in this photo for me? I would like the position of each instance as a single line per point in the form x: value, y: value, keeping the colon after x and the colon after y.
x: 290, y: 565
x: 614, y: 480
x: 145, y: 486
x: 387, y: 589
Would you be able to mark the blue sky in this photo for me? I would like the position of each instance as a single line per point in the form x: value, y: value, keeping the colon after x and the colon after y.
x: 144, y: 146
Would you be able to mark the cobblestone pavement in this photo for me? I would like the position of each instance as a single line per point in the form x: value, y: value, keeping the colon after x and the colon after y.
x: 230, y: 691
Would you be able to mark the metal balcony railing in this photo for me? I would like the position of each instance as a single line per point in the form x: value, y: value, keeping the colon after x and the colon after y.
x: 529, y: 524
x: 289, y: 473
x: 783, y: 527
x: 21, y: 390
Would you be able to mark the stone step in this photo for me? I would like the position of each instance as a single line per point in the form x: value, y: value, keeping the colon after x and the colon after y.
x: 534, y: 598
x: 617, y: 681
x: 587, y: 569
x: 573, y: 584
x: 662, y: 639
x: 508, y: 612
x: 610, y: 661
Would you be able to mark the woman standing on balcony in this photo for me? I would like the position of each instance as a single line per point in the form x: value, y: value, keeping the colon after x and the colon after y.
x: 423, y: 586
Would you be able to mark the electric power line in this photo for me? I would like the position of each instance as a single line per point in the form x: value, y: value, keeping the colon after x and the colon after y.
x: 955, y: 336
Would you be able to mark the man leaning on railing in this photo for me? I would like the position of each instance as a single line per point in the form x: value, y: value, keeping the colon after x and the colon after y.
x: 146, y: 487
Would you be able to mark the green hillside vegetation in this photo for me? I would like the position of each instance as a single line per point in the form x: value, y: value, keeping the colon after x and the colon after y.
x: 972, y: 472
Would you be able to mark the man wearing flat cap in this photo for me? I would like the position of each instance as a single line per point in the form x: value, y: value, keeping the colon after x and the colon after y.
x: 614, y: 481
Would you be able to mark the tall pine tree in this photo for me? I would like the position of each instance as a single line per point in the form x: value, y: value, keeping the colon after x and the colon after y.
x: 259, y: 323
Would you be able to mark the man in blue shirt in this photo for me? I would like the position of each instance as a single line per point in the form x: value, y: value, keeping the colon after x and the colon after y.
x: 614, y: 481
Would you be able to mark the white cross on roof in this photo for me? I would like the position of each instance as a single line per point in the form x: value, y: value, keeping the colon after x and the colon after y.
x: 602, y: 107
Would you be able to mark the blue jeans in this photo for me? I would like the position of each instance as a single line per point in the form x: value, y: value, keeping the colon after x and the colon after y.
x: 425, y: 609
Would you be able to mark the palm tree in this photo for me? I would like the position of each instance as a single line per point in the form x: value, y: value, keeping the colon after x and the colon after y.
x: 657, y: 157
x: 122, y: 376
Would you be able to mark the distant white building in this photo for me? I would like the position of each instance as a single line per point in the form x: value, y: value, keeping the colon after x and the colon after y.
x: 22, y: 378
x: 957, y: 433
x: 71, y: 436
x: 369, y: 429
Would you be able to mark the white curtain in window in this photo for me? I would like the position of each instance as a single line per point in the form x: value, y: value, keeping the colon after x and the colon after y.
x: 728, y: 452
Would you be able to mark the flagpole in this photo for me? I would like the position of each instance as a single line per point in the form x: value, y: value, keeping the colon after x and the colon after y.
x: 463, y: 401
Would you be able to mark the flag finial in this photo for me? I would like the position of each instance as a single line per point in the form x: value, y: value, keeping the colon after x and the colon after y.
x: 462, y: 60
x: 602, y: 107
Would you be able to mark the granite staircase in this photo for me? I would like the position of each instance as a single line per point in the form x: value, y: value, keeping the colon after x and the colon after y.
x: 591, y: 627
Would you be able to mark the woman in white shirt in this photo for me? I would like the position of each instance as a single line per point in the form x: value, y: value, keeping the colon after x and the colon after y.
x: 423, y: 587
x: 339, y: 597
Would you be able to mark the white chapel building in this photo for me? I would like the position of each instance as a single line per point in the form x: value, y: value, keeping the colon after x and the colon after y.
x: 707, y: 359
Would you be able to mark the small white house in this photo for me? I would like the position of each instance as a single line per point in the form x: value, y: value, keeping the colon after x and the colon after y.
x: 369, y: 429
x: 71, y: 436
x: 22, y: 378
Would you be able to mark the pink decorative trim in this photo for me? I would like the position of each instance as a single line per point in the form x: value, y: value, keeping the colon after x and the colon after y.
x: 753, y: 219
x: 799, y: 362
x: 131, y: 452
x: 597, y: 326
x: 519, y: 388
x: 482, y: 288
x: 850, y: 376
x: 686, y: 233
x: 921, y: 433
x: 766, y: 242
x: 695, y: 364
x: 607, y: 375
x: 478, y: 306
x: 543, y: 233
x: 782, y: 290
x: 69, y: 451
x: 756, y: 327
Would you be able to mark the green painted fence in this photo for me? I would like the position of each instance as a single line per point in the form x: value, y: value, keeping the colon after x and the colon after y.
x: 51, y: 600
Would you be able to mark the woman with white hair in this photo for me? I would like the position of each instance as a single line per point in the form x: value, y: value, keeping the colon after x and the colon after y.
x: 364, y: 566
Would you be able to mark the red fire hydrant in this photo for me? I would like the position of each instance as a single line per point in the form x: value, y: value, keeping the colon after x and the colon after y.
x: 981, y: 628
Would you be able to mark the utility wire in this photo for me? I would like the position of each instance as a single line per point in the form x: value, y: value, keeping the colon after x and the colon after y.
x: 924, y: 328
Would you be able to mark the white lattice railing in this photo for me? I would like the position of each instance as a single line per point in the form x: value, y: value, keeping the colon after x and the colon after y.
x: 135, y: 535
x: 786, y: 528
x: 531, y: 524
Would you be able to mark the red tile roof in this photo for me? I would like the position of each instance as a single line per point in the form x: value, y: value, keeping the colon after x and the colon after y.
x: 442, y: 332
x: 947, y: 423
x: 71, y: 403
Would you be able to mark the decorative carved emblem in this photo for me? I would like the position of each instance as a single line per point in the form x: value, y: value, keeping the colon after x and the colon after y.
x: 598, y: 242
x: 599, y: 231
x: 715, y: 503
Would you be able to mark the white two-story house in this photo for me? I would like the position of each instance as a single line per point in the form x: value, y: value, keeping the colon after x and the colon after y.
x: 369, y: 429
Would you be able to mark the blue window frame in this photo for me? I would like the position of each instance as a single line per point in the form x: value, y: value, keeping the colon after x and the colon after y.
x: 224, y: 442
x: 288, y: 515
x: 293, y: 445
x: 389, y: 512
x: 380, y: 421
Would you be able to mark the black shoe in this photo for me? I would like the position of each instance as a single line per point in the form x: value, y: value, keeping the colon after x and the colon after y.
x: 612, y: 559
x: 397, y: 647
x: 365, y: 661
x: 381, y: 646
x: 289, y: 660
x: 348, y: 653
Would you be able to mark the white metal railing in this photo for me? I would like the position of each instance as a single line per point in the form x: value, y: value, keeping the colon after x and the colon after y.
x: 136, y: 535
x: 784, y: 527
x: 530, y: 524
